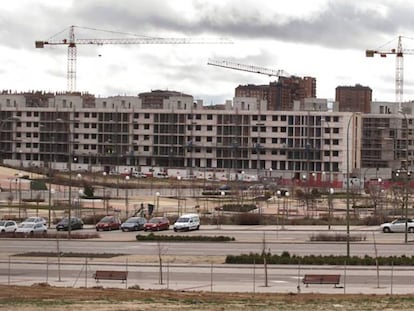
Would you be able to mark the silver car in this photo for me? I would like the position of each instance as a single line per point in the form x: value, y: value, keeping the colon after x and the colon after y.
x: 31, y: 228
x: 398, y: 225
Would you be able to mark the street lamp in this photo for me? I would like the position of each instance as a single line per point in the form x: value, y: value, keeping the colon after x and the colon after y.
x: 347, y: 186
x: 126, y: 195
x: 157, y: 194
x: 331, y: 192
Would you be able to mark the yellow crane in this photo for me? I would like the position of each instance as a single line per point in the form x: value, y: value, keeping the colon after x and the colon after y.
x: 71, y: 41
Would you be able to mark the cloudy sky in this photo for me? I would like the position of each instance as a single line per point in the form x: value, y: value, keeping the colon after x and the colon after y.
x: 320, y: 38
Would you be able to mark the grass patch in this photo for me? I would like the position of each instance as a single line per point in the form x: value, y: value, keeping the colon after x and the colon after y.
x: 183, y: 238
x: 54, y: 235
x: 337, y: 237
x: 67, y: 255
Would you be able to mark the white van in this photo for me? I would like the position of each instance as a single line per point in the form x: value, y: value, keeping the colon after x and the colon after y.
x: 187, y: 222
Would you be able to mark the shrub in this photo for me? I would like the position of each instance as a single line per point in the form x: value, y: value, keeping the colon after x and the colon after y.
x: 183, y: 238
x: 286, y: 259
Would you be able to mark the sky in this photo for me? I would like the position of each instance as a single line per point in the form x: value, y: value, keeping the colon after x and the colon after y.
x: 325, y: 39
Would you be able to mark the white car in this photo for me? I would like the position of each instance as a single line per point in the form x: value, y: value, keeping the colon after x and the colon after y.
x: 7, y: 226
x: 187, y: 222
x: 398, y: 225
x: 31, y: 228
x: 35, y: 220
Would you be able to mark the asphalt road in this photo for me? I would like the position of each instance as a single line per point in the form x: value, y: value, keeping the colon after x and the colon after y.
x: 295, y: 240
x: 78, y: 272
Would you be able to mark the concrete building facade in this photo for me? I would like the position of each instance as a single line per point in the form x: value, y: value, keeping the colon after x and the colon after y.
x: 173, y: 132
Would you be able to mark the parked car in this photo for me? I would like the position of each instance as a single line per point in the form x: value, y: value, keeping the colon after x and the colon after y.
x: 398, y: 225
x: 35, y: 219
x: 31, y: 228
x: 7, y: 226
x: 108, y: 223
x: 161, y: 175
x: 139, y: 175
x: 187, y: 222
x: 75, y: 224
x: 133, y: 224
x: 157, y: 224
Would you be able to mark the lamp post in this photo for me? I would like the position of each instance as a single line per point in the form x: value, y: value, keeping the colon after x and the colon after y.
x: 157, y: 194
x: 407, y: 174
x: 331, y: 192
x: 347, y: 187
x: 278, y: 193
x: 126, y: 195
x: 287, y: 194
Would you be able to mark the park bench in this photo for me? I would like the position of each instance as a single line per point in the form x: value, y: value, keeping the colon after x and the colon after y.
x: 110, y: 275
x: 321, y: 279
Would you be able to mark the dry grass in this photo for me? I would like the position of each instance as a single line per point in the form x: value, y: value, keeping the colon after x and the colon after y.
x: 45, y: 298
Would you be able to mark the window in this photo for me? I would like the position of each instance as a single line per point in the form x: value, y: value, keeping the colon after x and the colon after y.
x: 146, y: 137
x: 209, y: 127
x: 283, y: 118
x: 209, y: 139
x: 146, y: 148
x: 29, y: 114
x: 209, y: 117
x: 198, y: 127
x: 274, y: 140
x: 146, y: 126
x: 136, y: 126
x: 146, y: 115
x: 86, y: 114
x: 198, y: 116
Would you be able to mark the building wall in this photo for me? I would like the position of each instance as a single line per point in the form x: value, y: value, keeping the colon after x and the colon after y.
x: 354, y: 98
x: 240, y: 136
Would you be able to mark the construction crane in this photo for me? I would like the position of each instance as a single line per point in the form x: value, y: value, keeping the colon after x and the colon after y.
x: 72, y: 43
x: 399, y: 68
x: 248, y: 68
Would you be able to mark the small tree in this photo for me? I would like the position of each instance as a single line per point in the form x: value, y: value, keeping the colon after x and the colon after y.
x: 88, y: 190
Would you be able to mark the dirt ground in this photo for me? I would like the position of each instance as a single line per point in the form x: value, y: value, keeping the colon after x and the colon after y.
x: 46, y: 298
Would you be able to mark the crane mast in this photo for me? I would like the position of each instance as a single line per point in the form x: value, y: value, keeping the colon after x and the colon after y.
x: 399, y: 67
x: 72, y: 43
x: 248, y: 68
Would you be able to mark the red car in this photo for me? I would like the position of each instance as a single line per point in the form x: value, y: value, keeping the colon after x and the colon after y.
x: 108, y: 223
x: 157, y: 224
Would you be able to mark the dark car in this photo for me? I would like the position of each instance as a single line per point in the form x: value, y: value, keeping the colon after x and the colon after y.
x: 108, y: 223
x: 157, y: 223
x: 133, y: 224
x: 75, y: 224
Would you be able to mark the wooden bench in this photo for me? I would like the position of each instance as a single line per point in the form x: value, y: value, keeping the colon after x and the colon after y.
x: 321, y: 279
x: 110, y: 275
